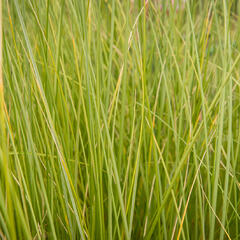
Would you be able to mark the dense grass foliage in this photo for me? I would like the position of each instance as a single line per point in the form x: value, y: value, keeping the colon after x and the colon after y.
x: 120, y: 120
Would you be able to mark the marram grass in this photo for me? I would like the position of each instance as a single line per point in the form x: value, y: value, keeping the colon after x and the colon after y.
x: 120, y: 119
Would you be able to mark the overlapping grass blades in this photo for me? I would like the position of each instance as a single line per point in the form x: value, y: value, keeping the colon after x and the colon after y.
x: 119, y: 120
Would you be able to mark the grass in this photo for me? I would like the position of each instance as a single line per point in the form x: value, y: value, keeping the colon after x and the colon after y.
x: 119, y: 120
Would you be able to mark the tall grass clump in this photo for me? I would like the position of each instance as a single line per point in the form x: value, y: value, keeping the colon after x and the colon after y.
x: 120, y: 119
